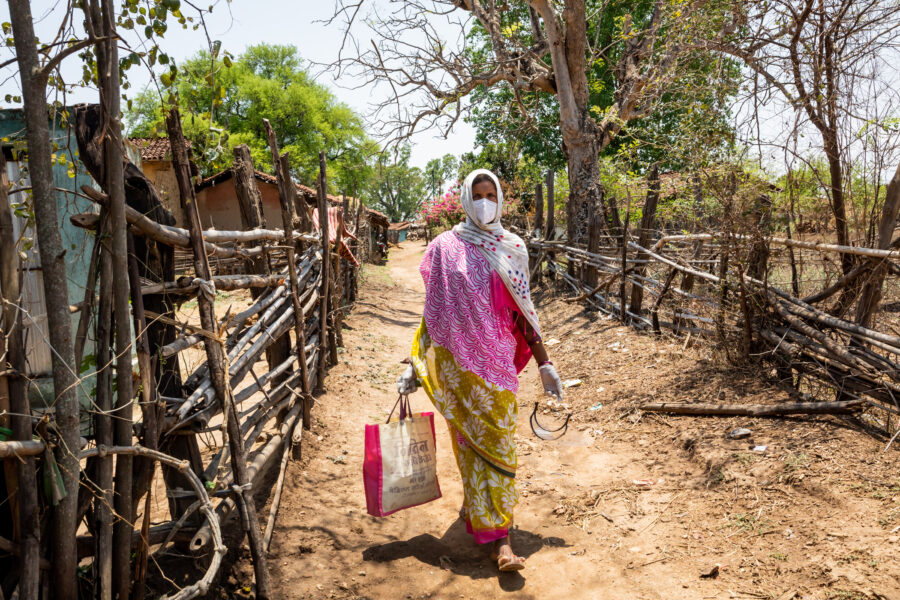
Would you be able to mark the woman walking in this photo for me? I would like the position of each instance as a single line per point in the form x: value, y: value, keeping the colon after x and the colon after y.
x: 478, y: 332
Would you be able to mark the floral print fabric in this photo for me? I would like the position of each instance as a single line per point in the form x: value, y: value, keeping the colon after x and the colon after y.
x: 482, y: 419
x: 468, y: 311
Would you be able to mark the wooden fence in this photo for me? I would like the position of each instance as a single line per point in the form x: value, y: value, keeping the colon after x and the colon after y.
x: 223, y: 430
x: 701, y: 285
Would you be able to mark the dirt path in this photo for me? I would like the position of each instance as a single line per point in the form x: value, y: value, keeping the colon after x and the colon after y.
x: 778, y: 525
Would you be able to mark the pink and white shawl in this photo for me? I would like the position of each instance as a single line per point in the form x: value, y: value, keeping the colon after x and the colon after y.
x: 504, y: 250
x: 468, y: 311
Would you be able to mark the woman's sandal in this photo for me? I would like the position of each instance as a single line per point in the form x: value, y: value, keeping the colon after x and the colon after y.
x: 506, y: 564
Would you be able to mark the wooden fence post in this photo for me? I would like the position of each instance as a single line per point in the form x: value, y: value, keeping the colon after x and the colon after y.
x: 103, y: 427
x: 648, y: 218
x: 287, y: 196
x: 288, y: 216
x: 250, y: 203
x: 323, y: 295
x: 56, y: 291
x: 551, y: 221
x: 338, y: 295
x: 589, y: 272
x: 216, y: 357
x: 536, y: 257
x: 27, y: 508
x: 623, y: 283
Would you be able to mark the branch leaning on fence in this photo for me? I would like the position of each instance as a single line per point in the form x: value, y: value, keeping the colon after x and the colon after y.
x: 854, y: 361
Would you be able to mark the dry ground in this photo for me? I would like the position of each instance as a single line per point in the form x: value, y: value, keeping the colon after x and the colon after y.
x: 816, y: 515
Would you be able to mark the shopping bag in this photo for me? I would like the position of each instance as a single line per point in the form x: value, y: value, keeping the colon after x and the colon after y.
x: 400, y: 468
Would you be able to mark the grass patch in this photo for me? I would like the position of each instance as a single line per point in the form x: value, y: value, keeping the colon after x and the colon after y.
x: 744, y: 458
x: 750, y: 524
x: 376, y: 273
x: 795, y: 462
x: 891, y: 517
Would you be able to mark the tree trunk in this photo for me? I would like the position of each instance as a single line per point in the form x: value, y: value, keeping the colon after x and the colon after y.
x: 648, y: 219
x: 539, y: 210
x: 114, y: 185
x: 56, y: 292
x: 871, y: 292
x: 216, y: 356
x: 758, y: 259
x: 103, y: 430
x: 584, y: 174
x: 551, y: 205
x: 27, y: 507
x: 838, y: 207
x: 589, y: 273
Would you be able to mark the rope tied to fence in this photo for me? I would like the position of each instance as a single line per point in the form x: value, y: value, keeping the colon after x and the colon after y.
x: 207, y: 287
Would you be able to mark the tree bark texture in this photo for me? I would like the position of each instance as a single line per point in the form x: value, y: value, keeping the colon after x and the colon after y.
x: 872, y: 290
x: 56, y: 292
x: 100, y: 19
x: 103, y: 430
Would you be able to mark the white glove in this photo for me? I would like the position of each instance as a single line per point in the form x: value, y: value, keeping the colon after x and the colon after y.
x: 406, y: 383
x: 551, y: 381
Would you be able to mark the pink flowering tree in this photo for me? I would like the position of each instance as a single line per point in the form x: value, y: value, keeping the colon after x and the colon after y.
x: 443, y: 211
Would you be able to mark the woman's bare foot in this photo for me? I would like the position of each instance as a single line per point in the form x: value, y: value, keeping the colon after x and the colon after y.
x: 506, y: 559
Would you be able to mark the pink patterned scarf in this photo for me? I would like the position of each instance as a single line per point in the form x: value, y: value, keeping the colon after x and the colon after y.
x: 469, y: 311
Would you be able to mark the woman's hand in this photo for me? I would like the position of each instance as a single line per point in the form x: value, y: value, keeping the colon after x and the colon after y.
x: 406, y: 383
x: 551, y: 381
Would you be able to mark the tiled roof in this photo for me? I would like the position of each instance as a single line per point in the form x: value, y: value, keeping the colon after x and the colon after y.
x: 155, y: 148
x: 379, y: 218
x: 303, y: 191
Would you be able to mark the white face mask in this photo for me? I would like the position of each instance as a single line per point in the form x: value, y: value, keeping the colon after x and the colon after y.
x: 485, y: 210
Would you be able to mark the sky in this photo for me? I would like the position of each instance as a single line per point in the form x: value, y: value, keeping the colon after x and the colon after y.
x: 239, y: 24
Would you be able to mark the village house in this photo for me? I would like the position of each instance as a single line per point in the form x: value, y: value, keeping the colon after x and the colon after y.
x: 156, y: 163
x: 219, y: 208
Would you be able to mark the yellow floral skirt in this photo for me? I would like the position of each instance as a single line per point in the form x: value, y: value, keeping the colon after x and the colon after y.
x: 482, y: 422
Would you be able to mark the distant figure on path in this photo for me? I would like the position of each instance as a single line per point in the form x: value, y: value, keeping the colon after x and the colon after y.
x: 478, y: 332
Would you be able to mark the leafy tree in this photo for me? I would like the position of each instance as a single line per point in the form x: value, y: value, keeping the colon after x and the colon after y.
x: 690, y: 118
x: 439, y: 171
x: 397, y: 189
x: 600, y: 83
x: 224, y: 103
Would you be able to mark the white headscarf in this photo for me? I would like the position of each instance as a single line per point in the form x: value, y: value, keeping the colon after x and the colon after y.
x: 505, y: 251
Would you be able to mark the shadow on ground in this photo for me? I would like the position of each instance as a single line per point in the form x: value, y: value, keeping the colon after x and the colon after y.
x: 455, y: 552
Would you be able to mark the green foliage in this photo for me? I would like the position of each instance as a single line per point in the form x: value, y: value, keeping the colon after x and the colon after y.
x: 805, y: 192
x: 441, y: 170
x: 223, y: 103
x: 396, y: 188
x: 689, y: 123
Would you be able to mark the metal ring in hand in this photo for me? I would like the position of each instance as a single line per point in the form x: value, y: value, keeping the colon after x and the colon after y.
x: 545, y: 433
